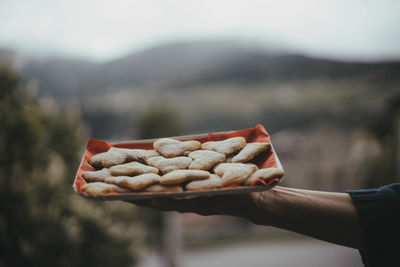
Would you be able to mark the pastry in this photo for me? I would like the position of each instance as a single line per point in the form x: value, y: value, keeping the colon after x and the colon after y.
x: 250, y: 151
x: 170, y: 148
x: 180, y: 176
x: 227, y: 146
x: 205, y: 159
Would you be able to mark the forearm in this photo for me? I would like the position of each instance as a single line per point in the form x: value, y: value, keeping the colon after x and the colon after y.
x: 324, y: 215
x: 327, y: 216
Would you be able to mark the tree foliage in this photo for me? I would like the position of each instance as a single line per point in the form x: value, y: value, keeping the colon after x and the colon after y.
x: 160, y: 120
x: 42, y: 222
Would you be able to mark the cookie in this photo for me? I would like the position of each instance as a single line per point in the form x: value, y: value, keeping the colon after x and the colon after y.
x: 265, y: 174
x: 170, y: 148
x: 135, y: 183
x: 96, y: 160
x: 168, y: 165
x: 116, y: 156
x: 180, y: 176
x: 234, y: 173
x: 139, y: 154
x: 229, y: 158
x: 205, y: 159
x: 164, y: 188
x: 132, y: 168
x: 99, y: 189
x: 113, y: 156
x: 227, y: 146
x: 96, y: 176
x: 210, y: 183
x: 250, y: 151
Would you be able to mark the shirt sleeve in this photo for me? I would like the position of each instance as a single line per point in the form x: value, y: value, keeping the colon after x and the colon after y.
x: 379, y: 213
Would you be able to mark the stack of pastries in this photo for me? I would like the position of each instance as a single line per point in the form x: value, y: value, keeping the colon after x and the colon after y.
x: 177, y: 166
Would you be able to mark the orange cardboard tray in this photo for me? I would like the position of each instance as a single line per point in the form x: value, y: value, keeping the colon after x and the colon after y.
x: 257, y: 134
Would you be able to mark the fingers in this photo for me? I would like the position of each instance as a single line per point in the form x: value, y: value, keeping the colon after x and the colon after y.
x: 199, y: 205
x: 195, y: 205
x: 236, y: 205
x: 214, y: 205
x: 141, y: 202
x: 162, y: 204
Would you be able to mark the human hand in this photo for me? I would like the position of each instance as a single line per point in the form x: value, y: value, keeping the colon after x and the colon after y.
x: 246, y: 206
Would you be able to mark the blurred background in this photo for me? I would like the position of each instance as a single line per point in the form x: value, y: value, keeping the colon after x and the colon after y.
x: 322, y: 77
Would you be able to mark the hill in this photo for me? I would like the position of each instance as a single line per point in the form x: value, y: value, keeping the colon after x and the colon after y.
x: 181, y: 65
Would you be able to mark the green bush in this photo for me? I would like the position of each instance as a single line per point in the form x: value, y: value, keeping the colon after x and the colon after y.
x: 42, y: 221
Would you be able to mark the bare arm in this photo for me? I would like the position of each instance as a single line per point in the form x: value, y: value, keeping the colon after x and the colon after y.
x: 323, y: 215
x: 327, y: 216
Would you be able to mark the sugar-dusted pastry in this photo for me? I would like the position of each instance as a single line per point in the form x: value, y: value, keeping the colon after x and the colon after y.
x: 99, y: 189
x: 229, y: 158
x: 96, y: 176
x: 180, y: 176
x: 96, y: 160
x: 166, y: 165
x: 139, y: 154
x: 265, y: 174
x: 132, y: 168
x: 116, y: 156
x: 250, y: 151
x: 113, y: 156
x: 186, y: 153
x: 227, y: 146
x: 205, y: 159
x: 170, y: 148
x: 210, y: 183
x: 163, y: 188
x: 234, y: 173
x: 135, y: 183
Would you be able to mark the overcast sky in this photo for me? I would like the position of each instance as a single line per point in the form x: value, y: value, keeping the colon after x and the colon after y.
x: 102, y: 30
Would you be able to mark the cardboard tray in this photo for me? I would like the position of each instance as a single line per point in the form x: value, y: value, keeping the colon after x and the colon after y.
x: 257, y: 134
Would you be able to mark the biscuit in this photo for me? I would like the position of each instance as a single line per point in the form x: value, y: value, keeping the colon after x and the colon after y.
x: 234, y: 173
x: 186, y: 153
x: 205, y: 159
x: 170, y: 148
x: 180, y: 176
x: 135, y: 183
x: 168, y: 165
x: 164, y: 188
x: 131, y: 169
x: 99, y: 188
x: 113, y: 156
x: 116, y: 156
x: 265, y: 174
x: 211, y: 183
x: 250, y: 151
x: 96, y: 176
x: 229, y: 158
x: 96, y: 160
x: 227, y: 146
x: 139, y: 154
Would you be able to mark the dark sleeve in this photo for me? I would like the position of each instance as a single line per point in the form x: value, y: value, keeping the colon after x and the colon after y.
x: 379, y: 213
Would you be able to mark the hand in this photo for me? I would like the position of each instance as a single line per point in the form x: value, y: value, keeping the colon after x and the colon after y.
x: 240, y: 205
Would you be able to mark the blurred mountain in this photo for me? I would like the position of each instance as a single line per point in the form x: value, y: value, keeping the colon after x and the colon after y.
x: 60, y: 76
x: 180, y: 65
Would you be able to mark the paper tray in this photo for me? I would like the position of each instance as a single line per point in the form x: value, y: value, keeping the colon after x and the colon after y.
x: 257, y: 134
